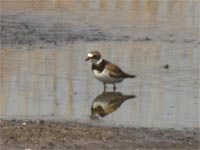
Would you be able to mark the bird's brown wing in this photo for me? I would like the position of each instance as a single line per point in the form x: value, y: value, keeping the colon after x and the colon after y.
x: 115, y: 71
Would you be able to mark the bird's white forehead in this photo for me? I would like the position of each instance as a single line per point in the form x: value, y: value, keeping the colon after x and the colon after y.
x: 90, y: 55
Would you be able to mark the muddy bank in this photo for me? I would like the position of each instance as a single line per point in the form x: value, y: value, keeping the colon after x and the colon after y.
x: 24, y: 32
x: 61, y: 26
x: 40, y: 134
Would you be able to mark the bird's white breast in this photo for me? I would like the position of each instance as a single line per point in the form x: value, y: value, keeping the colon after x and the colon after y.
x: 105, y: 77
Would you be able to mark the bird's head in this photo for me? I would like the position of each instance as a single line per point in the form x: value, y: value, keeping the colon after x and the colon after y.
x: 94, y: 56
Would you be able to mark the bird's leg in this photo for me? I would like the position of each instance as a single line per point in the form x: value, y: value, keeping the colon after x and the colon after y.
x: 114, y: 87
x: 104, y: 87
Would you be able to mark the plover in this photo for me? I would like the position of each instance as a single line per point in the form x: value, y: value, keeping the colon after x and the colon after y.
x: 105, y: 71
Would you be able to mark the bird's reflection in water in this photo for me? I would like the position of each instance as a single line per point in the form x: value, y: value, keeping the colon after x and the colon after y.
x: 107, y: 103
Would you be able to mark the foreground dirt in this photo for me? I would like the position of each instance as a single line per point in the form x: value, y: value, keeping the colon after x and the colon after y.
x: 40, y: 134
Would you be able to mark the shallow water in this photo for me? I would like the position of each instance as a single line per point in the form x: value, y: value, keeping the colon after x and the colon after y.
x: 42, y: 79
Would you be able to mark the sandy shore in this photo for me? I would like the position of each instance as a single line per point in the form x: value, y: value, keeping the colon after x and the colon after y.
x: 40, y: 134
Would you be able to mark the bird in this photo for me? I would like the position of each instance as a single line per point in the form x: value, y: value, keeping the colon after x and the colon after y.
x: 105, y: 71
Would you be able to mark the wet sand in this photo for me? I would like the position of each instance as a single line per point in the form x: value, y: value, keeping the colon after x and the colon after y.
x: 40, y: 134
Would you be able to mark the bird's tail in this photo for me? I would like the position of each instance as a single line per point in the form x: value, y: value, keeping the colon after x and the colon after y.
x: 130, y: 76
